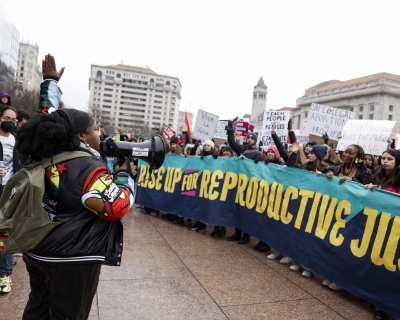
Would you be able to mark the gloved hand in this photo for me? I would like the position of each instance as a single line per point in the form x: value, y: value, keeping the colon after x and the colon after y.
x: 289, y: 124
x: 326, y: 137
x: 230, y: 125
x: 215, y: 156
x: 266, y: 161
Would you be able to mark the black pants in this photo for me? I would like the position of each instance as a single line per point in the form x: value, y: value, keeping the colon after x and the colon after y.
x: 60, y: 292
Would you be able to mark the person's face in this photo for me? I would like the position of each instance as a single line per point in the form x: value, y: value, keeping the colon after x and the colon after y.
x: 91, y: 137
x: 250, y: 141
x: 270, y: 154
x: 9, y: 115
x: 388, y: 162
x: 4, y: 99
x: 368, y: 160
x: 349, y: 155
x: 308, y: 148
x: 312, y: 157
x: 173, y: 146
x: 21, y: 123
x: 206, y: 147
x: 227, y: 153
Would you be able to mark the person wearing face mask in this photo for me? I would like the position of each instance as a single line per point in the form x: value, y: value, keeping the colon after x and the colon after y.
x: 11, y: 163
x: 249, y: 151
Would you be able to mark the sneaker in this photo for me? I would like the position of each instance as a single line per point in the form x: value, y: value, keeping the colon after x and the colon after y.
x: 295, y: 267
x: 165, y: 215
x: 173, y: 217
x: 258, y: 245
x: 307, y: 274
x: 275, y: 255
x: 17, y: 254
x: 244, y: 240
x: 202, y: 227
x: 153, y: 213
x: 234, y: 237
x: 222, y: 232
x: 334, y: 287
x: 195, y: 226
x: 5, y: 283
x: 216, y: 231
x: 285, y: 260
x: 326, y: 282
x: 380, y: 315
x: 264, y: 248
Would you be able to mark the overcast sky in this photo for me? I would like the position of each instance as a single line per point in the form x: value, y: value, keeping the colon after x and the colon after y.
x: 218, y: 49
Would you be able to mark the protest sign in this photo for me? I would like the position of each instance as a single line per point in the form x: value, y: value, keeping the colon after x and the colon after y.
x: 281, y: 119
x: 302, y: 138
x: 220, y: 132
x: 168, y: 132
x: 304, y: 127
x: 324, y: 119
x: 371, y: 135
x: 243, y: 128
x: 205, y: 125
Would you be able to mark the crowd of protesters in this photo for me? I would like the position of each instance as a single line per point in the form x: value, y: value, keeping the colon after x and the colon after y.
x: 352, y: 164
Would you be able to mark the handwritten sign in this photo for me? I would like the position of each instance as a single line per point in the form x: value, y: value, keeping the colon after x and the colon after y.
x: 371, y: 135
x: 324, y: 119
x: 281, y: 119
x: 168, y: 132
x: 220, y: 132
x: 205, y: 125
x: 303, y: 138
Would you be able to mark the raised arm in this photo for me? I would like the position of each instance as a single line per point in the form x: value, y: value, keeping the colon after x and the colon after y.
x: 281, y: 148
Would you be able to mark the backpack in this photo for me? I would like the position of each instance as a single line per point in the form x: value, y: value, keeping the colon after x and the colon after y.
x: 23, y: 220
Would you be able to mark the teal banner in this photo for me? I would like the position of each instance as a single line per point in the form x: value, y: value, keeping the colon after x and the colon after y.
x: 342, y: 232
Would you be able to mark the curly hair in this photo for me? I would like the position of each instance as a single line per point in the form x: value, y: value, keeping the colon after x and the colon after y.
x: 43, y: 137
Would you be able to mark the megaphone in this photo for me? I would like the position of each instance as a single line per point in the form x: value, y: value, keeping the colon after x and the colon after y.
x: 151, y: 151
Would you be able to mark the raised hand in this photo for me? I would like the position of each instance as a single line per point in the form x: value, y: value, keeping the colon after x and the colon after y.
x: 49, y: 68
x: 273, y: 128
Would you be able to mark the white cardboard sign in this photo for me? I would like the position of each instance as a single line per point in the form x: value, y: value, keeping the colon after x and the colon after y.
x: 205, y: 125
x: 371, y: 135
x: 220, y: 132
x: 281, y: 119
x: 324, y: 119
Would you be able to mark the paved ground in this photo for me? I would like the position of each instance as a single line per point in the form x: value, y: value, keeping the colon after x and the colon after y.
x: 170, y: 272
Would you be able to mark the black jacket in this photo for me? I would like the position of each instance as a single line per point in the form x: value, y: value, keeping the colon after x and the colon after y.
x: 248, y: 152
x: 17, y: 162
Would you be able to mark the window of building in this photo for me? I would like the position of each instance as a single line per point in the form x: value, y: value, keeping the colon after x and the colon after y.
x: 361, y: 108
x: 158, y: 96
x: 105, y: 106
x: 159, y: 91
x: 109, y: 84
x: 109, y: 101
x: 109, y: 78
x: 156, y: 112
x: 390, y: 117
x: 390, y: 108
x: 99, y: 74
x: 371, y: 108
x: 351, y: 109
x: 118, y: 76
x: 22, y: 68
x: 371, y: 116
x: 360, y: 117
x: 160, y: 85
x: 167, y: 83
x: 21, y: 75
x: 151, y: 80
x: 108, y: 89
x: 306, y: 114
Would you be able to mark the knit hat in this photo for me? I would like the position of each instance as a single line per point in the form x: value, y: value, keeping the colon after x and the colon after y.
x: 5, y: 94
x: 174, y: 140
x: 253, y: 135
x: 209, y: 142
x: 319, y: 151
x: 275, y: 150
x: 227, y: 148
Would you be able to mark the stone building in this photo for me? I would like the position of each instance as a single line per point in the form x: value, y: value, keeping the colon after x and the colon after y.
x: 259, y: 100
x: 133, y: 96
x: 375, y: 97
x: 29, y: 72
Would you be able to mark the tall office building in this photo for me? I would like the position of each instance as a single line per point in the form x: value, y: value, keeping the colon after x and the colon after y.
x: 9, y: 44
x: 29, y: 72
x: 134, y: 97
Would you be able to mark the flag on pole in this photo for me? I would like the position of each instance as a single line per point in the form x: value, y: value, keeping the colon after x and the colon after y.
x: 188, y: 126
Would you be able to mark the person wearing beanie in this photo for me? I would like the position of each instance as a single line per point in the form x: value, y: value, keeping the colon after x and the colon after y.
x: 210, y: 143
x: 5, y: 98
x: 226, y: 151
x: 253, y: 135
x: 319, y: 151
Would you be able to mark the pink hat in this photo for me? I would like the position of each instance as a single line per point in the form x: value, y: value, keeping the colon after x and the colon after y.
x: 275, y: 150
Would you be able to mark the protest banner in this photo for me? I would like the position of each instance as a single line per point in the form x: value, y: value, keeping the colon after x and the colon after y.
x: 281, y: 119
x: 371, y: 135
x: 220, y: 132
x: 324, y: 119
x: 168, y: 132
x: 205, y: 125
x: 343, y: 232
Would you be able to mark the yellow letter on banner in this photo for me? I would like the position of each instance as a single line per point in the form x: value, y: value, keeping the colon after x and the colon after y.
x: 218, y: 174
x: 305, y: 194
x: 230, y: 182
x: 290, y: 193
x: 242, y: 183
x: 262, y: 196
x: 325, y: 218
x: 360, y: 249
x: 275, y: 199
x: 251, y: 194
x: 335, y: 237
x: 205, y: 179
x: 391, y: 246
x: 313, y: 212
x: 160, y: 173
x: 142, y: 175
